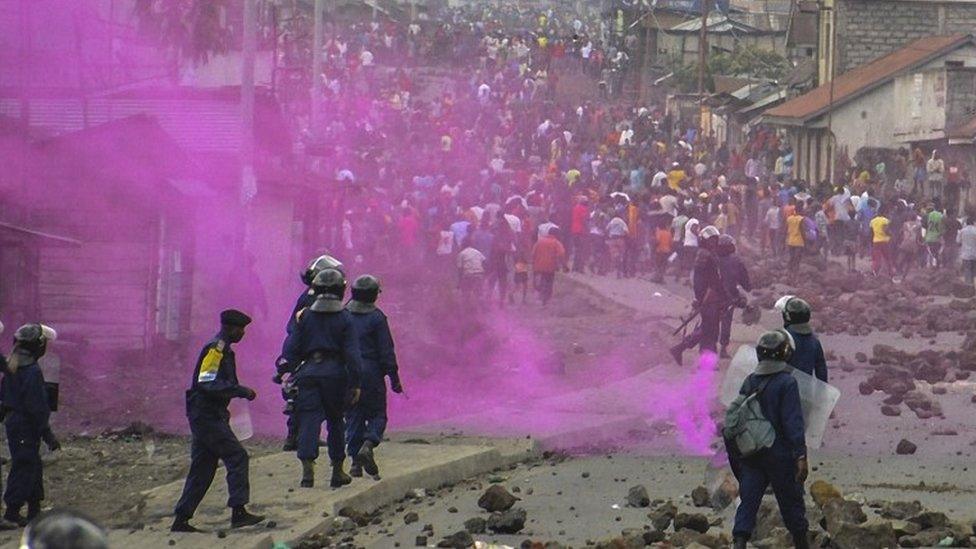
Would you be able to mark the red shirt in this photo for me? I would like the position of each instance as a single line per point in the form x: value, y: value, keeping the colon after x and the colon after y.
x: 547, y: 255
x: 580, y: 214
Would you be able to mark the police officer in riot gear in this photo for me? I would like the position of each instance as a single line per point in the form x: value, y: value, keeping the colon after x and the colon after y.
x: 809, y: 355
x: 735, y: 276
x: 26, y: 410
x: 305, y: 300
x: 214, y: 384
x: 366, y: 421
x: 324, y: 356
x: 784, y: 465
x: 710, y: 297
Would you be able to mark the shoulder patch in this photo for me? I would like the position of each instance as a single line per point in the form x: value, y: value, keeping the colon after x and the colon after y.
x: 211, y: 364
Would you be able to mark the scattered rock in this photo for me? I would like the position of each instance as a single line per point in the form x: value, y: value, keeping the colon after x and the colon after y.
x: 689, y: 539
x: 838, y: 512
x: 662, y: 515
x: 496, y: 499
x: 361, y: 519
x: 905, y: 448
x: 901, y: 510
x: 458, y: 540
x: 476, y: 525
x: 411, y: 518
x: 637, y: 497
x: 691, y: 521
x: 865, y: 536
x: 890, y: 411
x: 823, y: 492
x: 930, y: 519
x: 700, y: 497
x: 927, y: 538
x: 860, y: 357
x: 507, y: 522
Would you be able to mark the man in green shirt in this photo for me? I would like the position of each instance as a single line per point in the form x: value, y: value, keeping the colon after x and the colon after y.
x: 934, y: 227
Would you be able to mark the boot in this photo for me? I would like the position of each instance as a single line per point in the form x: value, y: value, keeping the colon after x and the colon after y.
x: 13, y: 515
x: 182, y: 524
x: 725, y: 352
x: 676, y: 352
x: 364, y: 458
x: 739, y: 543
x: 33, y: 509
x: 801, y: 540
x: 291, y: 443
x: 308, y: 473
x: 240, y: 518
x: 339, y: 477
x: 355, y: 471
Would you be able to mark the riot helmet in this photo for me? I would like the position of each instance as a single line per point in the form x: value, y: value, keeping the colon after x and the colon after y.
x: 709, y: 237
x: 30, y: 338
x: 775, y: 345
x: 726, y: 245
x: 366, y: 289
x: 329, y: 282
x: 319, y: 264
x: 796, y: 311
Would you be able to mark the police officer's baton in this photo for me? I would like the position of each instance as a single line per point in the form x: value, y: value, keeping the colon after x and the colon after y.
x: 686, y: 322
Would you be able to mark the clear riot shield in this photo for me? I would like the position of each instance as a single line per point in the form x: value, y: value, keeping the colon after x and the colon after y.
x: 818, y: 398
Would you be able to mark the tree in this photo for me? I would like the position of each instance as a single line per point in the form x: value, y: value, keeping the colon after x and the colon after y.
x: 745, y: 61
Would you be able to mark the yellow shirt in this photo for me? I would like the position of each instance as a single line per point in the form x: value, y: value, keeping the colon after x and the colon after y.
x: 794, y: 231
x: 675, y: 177
x: 879, y: 229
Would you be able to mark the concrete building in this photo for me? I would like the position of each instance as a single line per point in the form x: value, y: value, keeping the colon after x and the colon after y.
x: 917, y: 93
x: 868, y: 29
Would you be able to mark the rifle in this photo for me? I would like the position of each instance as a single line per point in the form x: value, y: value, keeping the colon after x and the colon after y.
x: 686, y: 321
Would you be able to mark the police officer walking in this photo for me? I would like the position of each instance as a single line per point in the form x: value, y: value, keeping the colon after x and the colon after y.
x: 304, y: 301
x: 710, y: 297
x: 366, y: 421
x: 808, y: 356
x: 784, y: 464
x: 735, y: 276
x: 214, y: 385
x: 323, y: 354
x: 26, y: 410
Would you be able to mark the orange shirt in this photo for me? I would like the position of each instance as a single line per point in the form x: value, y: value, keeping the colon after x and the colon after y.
x: 664, y: 240
x: 547, y: 255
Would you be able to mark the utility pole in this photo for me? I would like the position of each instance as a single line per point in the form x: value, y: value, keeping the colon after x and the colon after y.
x: 318, y: 14
x: 706, y: 6
x: 831, y: 56
x: 248, y: 51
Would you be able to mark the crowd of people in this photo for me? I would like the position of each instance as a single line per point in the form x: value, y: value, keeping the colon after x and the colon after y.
x: 476, y: 168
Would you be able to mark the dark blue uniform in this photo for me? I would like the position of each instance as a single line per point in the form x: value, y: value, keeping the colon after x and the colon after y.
x: 214, y: 385
x: 304, y: 301
x: 780, y: 403
x: 367, y: 419
x: 27, y: 412
x: 327, y: 348
x: 712, y: 301
x: 808, y: 356
x: 734, y: 276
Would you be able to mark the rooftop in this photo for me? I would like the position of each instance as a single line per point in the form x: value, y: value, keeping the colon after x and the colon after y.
x: 865, y: 78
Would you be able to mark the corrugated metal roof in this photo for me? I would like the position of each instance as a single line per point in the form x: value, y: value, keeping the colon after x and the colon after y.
x: 864, y: 78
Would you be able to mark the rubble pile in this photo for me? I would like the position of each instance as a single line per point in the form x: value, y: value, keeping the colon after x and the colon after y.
x: 859, y: 304
x: 913, y: 380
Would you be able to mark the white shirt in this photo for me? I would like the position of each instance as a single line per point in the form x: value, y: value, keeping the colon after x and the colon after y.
x: 470, y: 261
x: 617, y: 227
x: 514, y: 222
x: 445, y: 243
x: 366, y: 58
x: 691, y: 239
x: 773, y: 217
x: 967, y: 240
x: 545, y: 228
x: 669, y: 204
x: 658, y: 181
